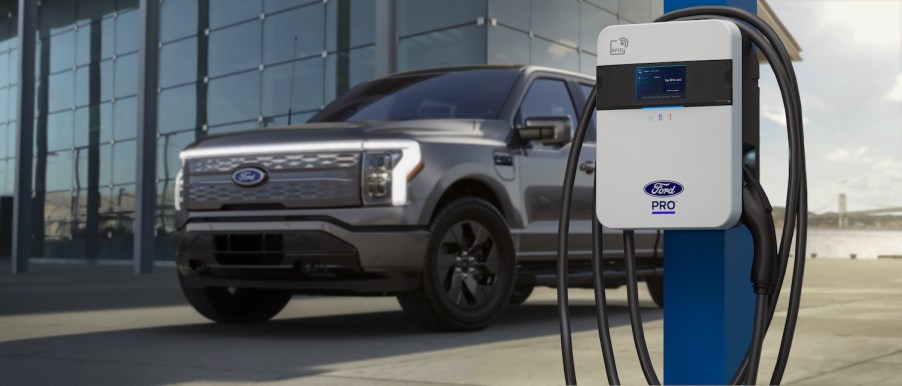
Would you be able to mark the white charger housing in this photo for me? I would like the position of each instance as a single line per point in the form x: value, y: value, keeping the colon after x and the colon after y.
x: 669, y: 116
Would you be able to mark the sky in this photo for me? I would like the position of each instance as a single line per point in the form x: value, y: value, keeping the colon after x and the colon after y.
x: 850, y: 79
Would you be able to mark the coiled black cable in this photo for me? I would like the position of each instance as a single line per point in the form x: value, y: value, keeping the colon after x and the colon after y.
x: 601, y: 304
x: 632, y: 298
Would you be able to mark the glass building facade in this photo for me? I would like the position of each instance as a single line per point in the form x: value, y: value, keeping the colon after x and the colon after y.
x: 228, y: 65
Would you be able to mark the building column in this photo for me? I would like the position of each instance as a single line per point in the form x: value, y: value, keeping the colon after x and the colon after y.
x: 386, y: 38
x: 145, y: 173
x: 23, y: 205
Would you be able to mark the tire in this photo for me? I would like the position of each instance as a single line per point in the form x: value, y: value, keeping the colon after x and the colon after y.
x: 656, y: 289
x: 521, y: 293
x: 236, y: 305
x: 469, y: 268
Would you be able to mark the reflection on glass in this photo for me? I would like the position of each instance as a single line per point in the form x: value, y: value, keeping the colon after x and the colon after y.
x: 125, y: 113
x: 307, y: 83
x: 178, y: 62
x: 416, y: 16
x: 178, y: 19
x: 177, y: 109
x: 348, y: 69
x: 556, y: 20
x: 545, y: 53
x: 62, y: 91
x: 59, y: 171
x: 168, y: 148
x: 124, y: 162
x: 59, y: 129
x: 62, y: 51
x: 126, y: 32
x: 350, y: 24
x: 126, y: 75
x: 280, y: 30
x: 513, y: 13
x: 224, y: 12
x: 457, y: 46
x: 591, y: 21
x: 235, y: 48
x: 507, y: 46
x: 234, y: 98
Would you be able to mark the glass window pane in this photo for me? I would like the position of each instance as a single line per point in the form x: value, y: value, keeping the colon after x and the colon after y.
x: 83, y: 126
x: 457, y: 46
x: 62, y: 51
x: 348, y: 69
x: 83, y: 43
x: 231, y: 128
x: 126, y: 75
x: 12, y: 111
x: 350, y: 24
x: 178, y: 62
x: 59, y: 130
x: 178, y: 109
x: 5, y: 59
x: 106, y: 122
x: 59, y: 171
x: 57, y: 210
x: 124, y: 199
x: 124, y: 162
x: 125, y: 115
x: 126, y: 32
x: 635, y: 11
x: 106, y: 80
x: 556, y: 20
x: 95, y: 9
x: 106, y: 166
x: 3, y: 145
x: 513, y: 13
x: 55, y: 16
x: 507, y: 46
x: 548, y: 98
x: 107, y: 37
x: 178, y: 19
x: 587, y: 63
x: 61, y: 93
x: 234, y: 98
x: 235, y: 48
x: 608, y: 5
x: 80, y: 127
x: 224, y: 12
x: 308, y: 87
x: 280, y: 31
x: 278, y: 5
x: 545, y: 53
x: 168, y: 148
x: 416, y: 16
x: 591, y: 21
x: 4, y: 102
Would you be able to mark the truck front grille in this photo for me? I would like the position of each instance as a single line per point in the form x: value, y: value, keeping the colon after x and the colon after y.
x: 306, y: 180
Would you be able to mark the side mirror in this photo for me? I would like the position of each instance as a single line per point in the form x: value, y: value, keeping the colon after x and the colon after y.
x: 546, y: 130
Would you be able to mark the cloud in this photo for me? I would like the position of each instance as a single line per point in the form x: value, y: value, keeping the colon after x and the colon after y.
x: 849, y: 155
x: 895, y: 94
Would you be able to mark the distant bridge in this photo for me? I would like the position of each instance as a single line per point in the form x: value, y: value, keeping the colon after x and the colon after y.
x: 844, y: 214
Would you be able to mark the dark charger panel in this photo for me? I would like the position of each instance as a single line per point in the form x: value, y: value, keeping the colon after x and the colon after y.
x: 6, y: 226
x: 695, y: 83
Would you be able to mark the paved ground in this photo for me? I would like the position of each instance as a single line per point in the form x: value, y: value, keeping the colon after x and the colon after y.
x: 78, y: 325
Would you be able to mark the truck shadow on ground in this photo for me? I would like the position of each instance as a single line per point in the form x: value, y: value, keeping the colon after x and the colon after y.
x: 280, y: 349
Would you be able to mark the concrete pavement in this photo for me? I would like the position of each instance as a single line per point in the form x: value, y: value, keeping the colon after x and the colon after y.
x: 99, y: 325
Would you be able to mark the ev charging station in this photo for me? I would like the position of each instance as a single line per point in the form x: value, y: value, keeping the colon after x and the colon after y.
x: 677, y: 128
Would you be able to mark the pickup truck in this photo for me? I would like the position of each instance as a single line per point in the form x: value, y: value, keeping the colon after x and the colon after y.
x: 441, y: 187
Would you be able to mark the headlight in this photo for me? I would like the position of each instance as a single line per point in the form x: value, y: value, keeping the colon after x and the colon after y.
x: 179, y: 194
x: 387, y: 167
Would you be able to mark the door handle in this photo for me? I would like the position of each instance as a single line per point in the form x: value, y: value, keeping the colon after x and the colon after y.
x: 588, y: 167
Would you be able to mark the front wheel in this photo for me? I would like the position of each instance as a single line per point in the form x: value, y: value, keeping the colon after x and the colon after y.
x: 469, y: 270
x: 231, y: 305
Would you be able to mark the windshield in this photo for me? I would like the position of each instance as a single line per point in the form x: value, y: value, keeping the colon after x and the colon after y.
x: 475, y: 94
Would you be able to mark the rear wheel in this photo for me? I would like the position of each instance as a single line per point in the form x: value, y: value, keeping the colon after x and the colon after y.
x: 236, y: 305
x: 656, y: 289
x: 469, y: 270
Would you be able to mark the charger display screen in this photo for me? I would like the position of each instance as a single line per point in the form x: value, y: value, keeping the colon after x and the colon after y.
x: 655, y: 83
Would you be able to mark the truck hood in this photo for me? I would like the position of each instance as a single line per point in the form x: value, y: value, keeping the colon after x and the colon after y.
x: 332, y: 131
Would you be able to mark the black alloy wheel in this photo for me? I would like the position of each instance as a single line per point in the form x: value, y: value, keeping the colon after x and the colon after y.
x: 469, y: 269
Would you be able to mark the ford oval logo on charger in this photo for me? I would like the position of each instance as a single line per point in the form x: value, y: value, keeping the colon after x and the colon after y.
x: 663, y: 188
x: 249, y: 177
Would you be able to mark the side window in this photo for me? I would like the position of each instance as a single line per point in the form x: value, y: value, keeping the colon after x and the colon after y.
x: 548, y: 98
x: 590, y: 135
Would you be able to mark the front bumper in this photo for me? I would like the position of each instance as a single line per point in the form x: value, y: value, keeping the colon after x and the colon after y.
x: 310, y: 256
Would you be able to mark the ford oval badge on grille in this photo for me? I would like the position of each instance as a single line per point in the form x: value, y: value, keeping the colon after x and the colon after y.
x: 249, y: 177
x: 663, y: 188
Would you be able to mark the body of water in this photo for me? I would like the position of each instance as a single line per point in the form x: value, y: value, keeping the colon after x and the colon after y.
x: 841, y: 243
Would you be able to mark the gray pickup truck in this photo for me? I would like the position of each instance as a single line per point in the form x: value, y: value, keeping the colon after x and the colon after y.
x: 441, y: 187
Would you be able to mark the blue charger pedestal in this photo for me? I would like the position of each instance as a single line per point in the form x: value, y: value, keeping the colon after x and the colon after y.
x: 709, y: 302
